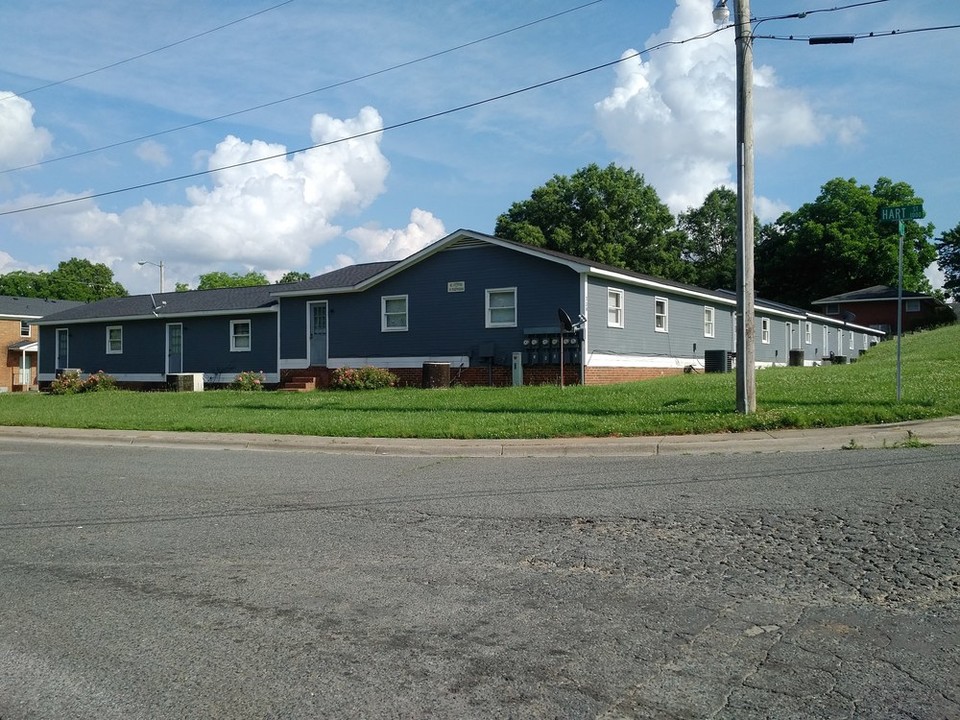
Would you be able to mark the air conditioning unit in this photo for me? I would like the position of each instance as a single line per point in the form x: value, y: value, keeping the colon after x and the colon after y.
x: 185, y: 382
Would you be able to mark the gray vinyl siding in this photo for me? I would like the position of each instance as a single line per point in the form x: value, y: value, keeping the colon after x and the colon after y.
x: 684, y: 337
x: 440, y: 323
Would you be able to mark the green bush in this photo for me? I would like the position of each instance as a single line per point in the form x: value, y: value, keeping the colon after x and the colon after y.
x: 365, y: 378
x: 71, y: 383
x: 248, y: 381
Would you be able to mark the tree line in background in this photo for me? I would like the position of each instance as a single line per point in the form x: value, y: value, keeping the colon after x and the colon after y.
x: 832, y: 245
x: 835, y: 244
x: 82, y: 280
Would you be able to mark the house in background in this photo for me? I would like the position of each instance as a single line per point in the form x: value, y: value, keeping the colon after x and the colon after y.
x: 142, y: 340
x: 487, y: 307
x: 876, y: 307
x: 19, y: 338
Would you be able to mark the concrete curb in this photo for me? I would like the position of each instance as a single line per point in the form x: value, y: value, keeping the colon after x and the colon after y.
x: 943, y: 431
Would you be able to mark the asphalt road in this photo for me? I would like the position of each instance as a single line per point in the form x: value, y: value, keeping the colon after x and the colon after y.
x: 159, y: 583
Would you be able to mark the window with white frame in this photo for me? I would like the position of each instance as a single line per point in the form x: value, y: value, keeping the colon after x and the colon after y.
x: 852, y: 339
x: 840, y: 342
x: 614, y: 308
x: 866, y: 341
x: 826, y: 340
x: 24, y: 328
x: 660, y: 318
x: 765, y: 331
x: 808, y: 333
x: 240, y: 335
x: 115, y: 340
x: 501, y: 307
x: 709, y: 322
x: 393, y: 313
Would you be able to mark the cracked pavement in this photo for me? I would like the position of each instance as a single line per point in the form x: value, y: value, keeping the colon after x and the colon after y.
x: 163, y: 582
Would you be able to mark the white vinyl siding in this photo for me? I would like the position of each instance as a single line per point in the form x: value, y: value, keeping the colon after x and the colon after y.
x: 709, y: 322
x: 393, y: 313
x: 501, y: 307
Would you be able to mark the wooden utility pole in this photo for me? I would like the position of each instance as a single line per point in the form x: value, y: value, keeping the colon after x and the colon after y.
x: 746, y: 318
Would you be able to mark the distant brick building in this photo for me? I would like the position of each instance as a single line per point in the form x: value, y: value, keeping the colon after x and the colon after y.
x: 876, y: 307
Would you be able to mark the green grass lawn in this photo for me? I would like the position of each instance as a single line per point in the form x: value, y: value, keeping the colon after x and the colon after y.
x: 862, y: 392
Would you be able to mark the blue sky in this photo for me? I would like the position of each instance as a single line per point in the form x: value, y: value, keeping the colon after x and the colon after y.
x: 881, y: 107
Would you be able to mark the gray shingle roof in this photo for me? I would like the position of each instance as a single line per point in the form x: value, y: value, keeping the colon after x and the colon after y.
x: 877, y: 292
x: 343, y: 278
x: 29, y: 308
x: 171, y: 304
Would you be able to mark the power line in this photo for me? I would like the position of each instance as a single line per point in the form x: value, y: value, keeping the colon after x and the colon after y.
x: 145, y: 54
x: 290, y: 98
x: 357, y: 136
x: 848, y: 38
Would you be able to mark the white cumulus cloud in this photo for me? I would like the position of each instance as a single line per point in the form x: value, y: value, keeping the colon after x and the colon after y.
x: 394, y: 244
x: 266, y: 210
x: 672, y: 113
x: 21, y: 142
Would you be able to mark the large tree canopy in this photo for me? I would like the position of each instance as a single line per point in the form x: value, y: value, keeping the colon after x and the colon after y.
x: 293, y: 276
x: 948, y: 260
x: 609, y: 215
x: 709, y: 240
x: 74, y: 279
x: 838, y: 243
x: 220, y: 279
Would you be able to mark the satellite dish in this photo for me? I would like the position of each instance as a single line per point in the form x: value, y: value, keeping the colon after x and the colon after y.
x: 565, y: 322
x: 157, y: 306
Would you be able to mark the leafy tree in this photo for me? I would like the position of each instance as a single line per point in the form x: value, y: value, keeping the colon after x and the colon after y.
x: 80, y: 279
x: 292, y: 277
x: 609, y: 215
x: 837, y: 243
x: 948, y: 260
x: 220, y: 279
x: 21, y: 283
x: 709, y: 243
x: 181, y: 287
x: 74, y: 279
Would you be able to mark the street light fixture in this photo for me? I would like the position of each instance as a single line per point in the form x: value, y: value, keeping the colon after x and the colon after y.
x: 746, y: 320
x: 141, y: 263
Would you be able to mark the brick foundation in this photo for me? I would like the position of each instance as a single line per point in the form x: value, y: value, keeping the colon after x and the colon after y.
x: 610, y: 375
x: 501, y: 376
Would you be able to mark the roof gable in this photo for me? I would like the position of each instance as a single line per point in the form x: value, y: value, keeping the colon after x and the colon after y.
x: 345, y: 278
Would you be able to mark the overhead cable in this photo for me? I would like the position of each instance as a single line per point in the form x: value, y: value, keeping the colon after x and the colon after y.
x: 367, y: 133
x: 331, y: 86
x: 145, y: 54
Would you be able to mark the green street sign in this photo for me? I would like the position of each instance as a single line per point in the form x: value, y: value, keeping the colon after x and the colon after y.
x: 901, y: 212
